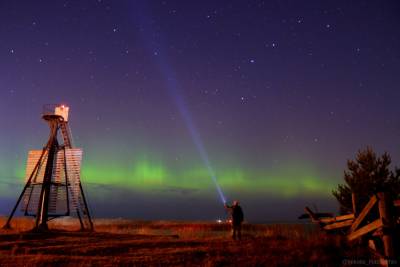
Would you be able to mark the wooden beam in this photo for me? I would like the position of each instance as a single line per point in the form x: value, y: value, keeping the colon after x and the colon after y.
x: 353, y: 202
x: 372, y: 246
x: 375, y: 251
x: 363, y: 213
x: 344, y: 217
x: 312, y: 215
x: 338, y: 225
x: 365, y: 229
x: 384, y: 212
x: 337, y: 218
x: 318, y: 215
x: 327, y: 220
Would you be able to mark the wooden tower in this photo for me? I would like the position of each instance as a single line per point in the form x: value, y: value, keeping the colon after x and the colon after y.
x: 52, y: 184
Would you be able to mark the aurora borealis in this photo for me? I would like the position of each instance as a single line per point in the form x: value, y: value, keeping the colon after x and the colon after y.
x: 277, y: 95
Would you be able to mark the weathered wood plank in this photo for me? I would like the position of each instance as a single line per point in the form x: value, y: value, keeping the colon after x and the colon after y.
x: 327, y: 220
x: 386, y: 218
x: 337, y: 218
x: 363, y: 213
x: 312, y: 215
x: 365, y: 229
x: 344, y: 217
x: 338, y: 225
x: 353, y: 202
x: 318, y: 215
x: 371, y: 245
x: 375, y: 251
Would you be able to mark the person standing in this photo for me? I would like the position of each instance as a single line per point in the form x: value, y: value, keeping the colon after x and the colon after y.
x: 237, y: 217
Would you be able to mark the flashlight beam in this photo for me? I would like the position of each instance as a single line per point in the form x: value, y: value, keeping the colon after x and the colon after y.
x: 147, y: 34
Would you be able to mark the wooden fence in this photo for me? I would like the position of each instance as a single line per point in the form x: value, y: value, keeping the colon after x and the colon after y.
x: 366, y: 225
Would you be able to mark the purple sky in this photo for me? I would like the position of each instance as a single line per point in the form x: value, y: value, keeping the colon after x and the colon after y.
x: 274, y: 96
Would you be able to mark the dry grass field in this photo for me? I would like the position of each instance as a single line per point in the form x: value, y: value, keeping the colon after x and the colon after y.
x: 118, y: 242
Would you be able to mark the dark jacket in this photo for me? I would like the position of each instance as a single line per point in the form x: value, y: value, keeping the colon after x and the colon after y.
x: 236, y: 213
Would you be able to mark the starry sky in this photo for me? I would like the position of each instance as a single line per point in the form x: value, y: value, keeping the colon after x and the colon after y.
x: 269, y: 97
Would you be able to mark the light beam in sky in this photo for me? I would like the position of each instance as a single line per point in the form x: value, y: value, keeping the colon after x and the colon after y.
x: 175, y: 91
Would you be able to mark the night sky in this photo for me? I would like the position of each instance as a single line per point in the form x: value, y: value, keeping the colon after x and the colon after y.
x: 272, y: 97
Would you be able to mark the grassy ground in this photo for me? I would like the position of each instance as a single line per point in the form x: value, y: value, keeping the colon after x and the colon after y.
x: 166, y: 243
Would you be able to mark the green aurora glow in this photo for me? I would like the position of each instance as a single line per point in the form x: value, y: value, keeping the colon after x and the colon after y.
x: 148, y: 172
x: 145, y: 175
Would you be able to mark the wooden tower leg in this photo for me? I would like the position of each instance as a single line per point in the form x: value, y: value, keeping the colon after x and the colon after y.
x: 80, y: 220
x: 86, y: 209
x: 28, y: 183
x: 8, y: 225
x: 43, y: 205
